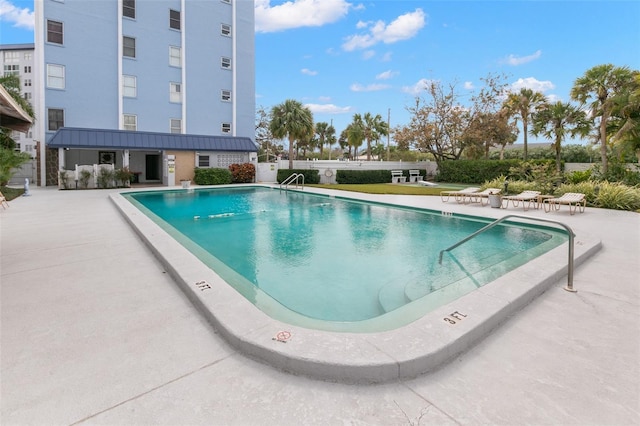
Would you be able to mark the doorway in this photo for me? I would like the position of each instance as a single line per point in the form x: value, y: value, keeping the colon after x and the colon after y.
x: 152, y: 166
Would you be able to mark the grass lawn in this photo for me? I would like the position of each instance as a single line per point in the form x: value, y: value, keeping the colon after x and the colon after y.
x: 396, y: 189
x: 11, y: 193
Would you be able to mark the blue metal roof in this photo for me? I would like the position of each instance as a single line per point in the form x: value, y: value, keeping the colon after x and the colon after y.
x: 70, y: 137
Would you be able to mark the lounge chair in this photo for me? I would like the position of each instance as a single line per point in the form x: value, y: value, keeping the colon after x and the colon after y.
x: 575, y: 201
x: 414, y: 176
x: 397, y: 176
x: 480, y: 197
x: 3, y: 201
x: 526, y: 197
x: 459, y: 195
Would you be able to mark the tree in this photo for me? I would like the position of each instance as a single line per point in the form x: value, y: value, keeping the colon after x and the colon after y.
x: 325, y: 132
x: 626, y: 113
x: 523, y: 104
x: 486, y: 130
x: 292, y: 120
x: 343, y: 141
x: 355, y: 134
x: 373, y: 127
x: 264, y: 137
x: 597, y: 89
x: 9, y: 159
x: 556, y: 122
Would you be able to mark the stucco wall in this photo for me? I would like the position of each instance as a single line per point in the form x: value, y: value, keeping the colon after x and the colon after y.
x: 185, y: 163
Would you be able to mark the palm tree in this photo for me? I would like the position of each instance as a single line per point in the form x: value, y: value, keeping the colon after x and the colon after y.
x: 627, y: 111
x: 557, y: 121
x: 599, y: 87
x: 324, y: 131
x: 373, y: 128
x: 292, y: 120
x: 523, y: 105
x: 355, y: 135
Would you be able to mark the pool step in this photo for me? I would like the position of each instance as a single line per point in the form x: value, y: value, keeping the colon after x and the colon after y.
x: 391, y: 296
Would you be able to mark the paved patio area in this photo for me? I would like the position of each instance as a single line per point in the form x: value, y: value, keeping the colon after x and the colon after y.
x: 94, y: 331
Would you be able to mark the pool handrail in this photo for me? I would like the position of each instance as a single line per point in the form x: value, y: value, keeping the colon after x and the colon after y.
x: 290, y: 179
x: 569, y: 286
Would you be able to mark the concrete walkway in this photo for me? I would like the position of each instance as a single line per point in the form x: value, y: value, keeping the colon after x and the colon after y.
x: 94, y: 331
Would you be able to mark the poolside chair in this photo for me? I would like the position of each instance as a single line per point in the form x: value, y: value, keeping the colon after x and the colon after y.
x: 458, y: 195
x: 480, y: 197
x: 3, y: 201
x: 526, y: 197
x: 575, y: 201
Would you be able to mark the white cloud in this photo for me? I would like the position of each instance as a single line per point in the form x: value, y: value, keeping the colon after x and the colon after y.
x: 328, y: 109
x: 307, y: 71
x: 469, y: 85
x: 403, y: 27
x: 420, y: 86
x: 386, y: 75
x: 386, y: 57
x: 357, y: 87
x: 298, y: 13
x: 20, y: 17
x: 515, y: 60
x: 368, y: 54
x: 533, y: 84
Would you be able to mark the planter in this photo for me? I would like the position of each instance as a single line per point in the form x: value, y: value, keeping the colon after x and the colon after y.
x: 185, y: 183
x: 495, y: 201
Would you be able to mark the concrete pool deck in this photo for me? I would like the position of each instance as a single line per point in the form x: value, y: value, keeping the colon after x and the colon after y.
x: 95, y: 331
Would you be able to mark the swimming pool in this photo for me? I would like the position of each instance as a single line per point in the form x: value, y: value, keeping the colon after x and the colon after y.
x: 336, y: 264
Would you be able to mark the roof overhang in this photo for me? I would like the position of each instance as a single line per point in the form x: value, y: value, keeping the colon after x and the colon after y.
x: 12, y: 116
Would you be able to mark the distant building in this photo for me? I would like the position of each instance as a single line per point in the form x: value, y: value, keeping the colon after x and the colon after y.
x: 159, y: 67
x: 17, y: 59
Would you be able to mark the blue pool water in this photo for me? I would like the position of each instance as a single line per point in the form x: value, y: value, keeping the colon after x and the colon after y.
x: 318, y: 260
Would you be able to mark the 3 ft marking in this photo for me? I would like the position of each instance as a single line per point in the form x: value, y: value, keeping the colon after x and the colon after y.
x: 454, y: 317
x: 203, y: 285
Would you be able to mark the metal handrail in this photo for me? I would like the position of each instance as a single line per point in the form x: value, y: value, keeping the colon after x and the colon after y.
x: 291, y: 178
x: 569, y: 286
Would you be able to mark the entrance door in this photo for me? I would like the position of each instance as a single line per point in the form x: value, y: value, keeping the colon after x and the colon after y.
x: 152, y: 166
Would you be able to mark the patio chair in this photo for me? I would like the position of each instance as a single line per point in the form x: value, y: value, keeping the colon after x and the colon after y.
x: 480, y: 197
x: 459, y: 195
x: 414, y: 176
x: 575, y: 201
x: 526, y: 197
x: 3, y: 201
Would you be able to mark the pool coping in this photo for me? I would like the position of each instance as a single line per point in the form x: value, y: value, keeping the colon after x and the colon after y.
x: 409, y: 351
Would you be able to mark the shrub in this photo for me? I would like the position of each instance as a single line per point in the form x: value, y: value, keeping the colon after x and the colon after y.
x: 123, y: 176
x: 84, y: 177
x: 212, y: 176
x: 473, y: 171
x: 106, y: 178
x: 63, y: 179
x: 364, y: 176
x: 578, y: 176
x: 311, y: 176
x: 243, y: 173
x: 617, y: 196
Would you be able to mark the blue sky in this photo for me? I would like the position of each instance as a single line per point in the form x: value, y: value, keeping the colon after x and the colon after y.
x: 344, y: 57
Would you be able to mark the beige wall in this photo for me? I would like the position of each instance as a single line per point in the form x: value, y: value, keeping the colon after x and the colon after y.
x: 185, y: 163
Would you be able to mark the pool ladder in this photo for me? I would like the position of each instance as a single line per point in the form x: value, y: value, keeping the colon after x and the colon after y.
x: 294, y: 177
x: 569, y: 286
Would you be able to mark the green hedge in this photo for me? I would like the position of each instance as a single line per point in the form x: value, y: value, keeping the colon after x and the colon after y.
x: 212, y: 176
x: 476, y: 171
x: 364, y: 176
x: 311, y: 176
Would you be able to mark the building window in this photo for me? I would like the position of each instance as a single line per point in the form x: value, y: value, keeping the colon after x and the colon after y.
x: 56, y: 118
x: 11, y: 56
x: 128, y: 47
x: 175, y: 92
x: 27, y: 96
x: 11, y: 70
x: 225, y: 30
x: 225, y: 63
x: 54, y: 32
x: 27, y: 69
x: 55, y: 76
x: 225, y: 160
x: 203, y: 160
x: 27, y: 82
x: 174, y: 19
x: 175, y: 125
x: 225, y: 95
x: 129, y: 86
x: 130, y: 122
x: 226, y: 1
x: 226, y: 128
x: 175, y: 56
x: 129, y: 8
x: 28, y: 56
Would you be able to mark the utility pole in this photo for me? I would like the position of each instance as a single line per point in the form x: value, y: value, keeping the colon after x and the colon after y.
x: 330, y: 142
x: 388, y: 130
